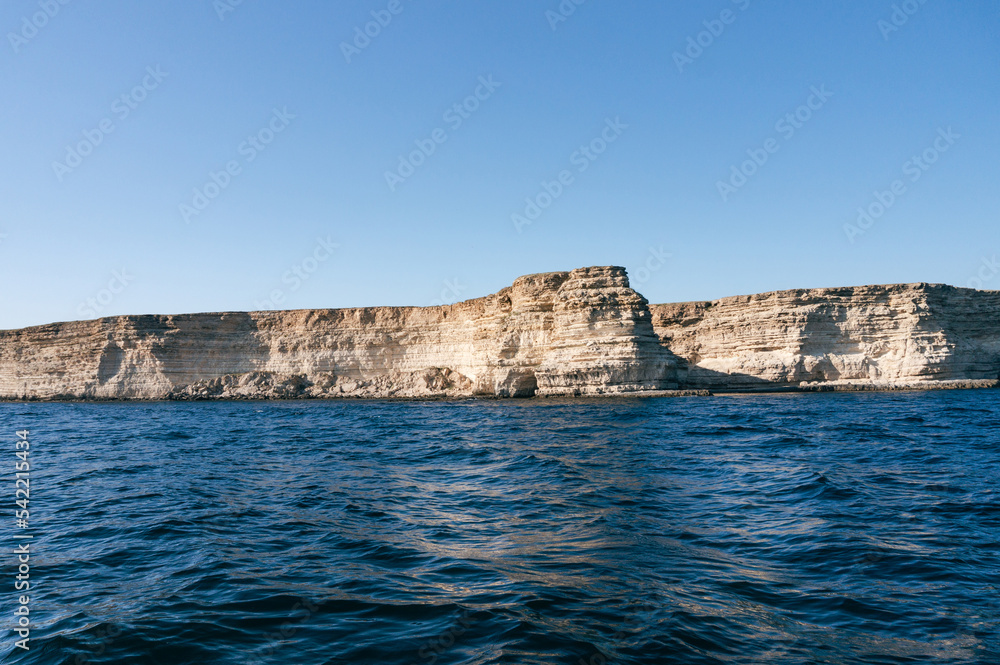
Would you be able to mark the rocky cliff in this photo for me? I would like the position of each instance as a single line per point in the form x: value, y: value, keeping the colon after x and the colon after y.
x: 583, y: 332
x: 564, y: 333
x: 881, y: 337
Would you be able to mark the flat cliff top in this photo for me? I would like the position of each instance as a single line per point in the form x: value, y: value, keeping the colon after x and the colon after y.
x: 832, y: 293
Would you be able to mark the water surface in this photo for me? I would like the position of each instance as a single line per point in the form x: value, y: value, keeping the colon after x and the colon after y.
x: 815, y: 528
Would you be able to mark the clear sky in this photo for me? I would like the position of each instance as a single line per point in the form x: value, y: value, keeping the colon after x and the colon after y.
x: 120, y: 118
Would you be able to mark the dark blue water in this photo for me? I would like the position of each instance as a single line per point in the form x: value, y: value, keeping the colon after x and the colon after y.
x: 829, y: 528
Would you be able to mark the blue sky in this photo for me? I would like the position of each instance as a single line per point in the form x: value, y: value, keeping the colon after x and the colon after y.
x: 619, y: 100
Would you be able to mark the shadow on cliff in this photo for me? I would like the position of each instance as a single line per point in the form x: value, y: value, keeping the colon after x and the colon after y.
x: 699, y: 378
x: 194, y: 348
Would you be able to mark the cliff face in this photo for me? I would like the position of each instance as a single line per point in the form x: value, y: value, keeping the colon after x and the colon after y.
x: 563, y: 333
x: 582, y: 332
x: 877, y: 336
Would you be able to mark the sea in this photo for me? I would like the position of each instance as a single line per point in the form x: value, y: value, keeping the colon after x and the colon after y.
x: 782, y: 528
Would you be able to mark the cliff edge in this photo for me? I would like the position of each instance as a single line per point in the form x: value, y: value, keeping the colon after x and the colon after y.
x: 582, y: 332
x: 866, y: 337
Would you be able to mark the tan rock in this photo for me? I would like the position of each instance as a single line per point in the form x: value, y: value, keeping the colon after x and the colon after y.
x: 565, y: 333
x: 889, y: 336
x: 583, y: 332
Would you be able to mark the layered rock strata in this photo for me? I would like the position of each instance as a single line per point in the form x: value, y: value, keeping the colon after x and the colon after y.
x: 583, y: 332
x: 565, y: 333
x: 898, y: 336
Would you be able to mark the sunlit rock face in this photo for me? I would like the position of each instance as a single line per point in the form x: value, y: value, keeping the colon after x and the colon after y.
x: 869, y: 336
x: 583, y: 332
x: 563, y: 333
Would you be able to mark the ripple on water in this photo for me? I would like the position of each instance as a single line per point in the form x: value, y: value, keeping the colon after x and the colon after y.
x: 826, y: 528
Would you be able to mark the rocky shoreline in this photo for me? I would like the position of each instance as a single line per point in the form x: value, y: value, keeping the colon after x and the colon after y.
x: 578, y: 333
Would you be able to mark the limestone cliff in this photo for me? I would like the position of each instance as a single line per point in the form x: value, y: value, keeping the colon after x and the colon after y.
x: 562, y: 333
x: 894, y: 336
x: 583, y: 332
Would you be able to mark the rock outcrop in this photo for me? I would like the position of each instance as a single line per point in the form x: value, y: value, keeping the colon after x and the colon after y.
x: 565, y: 333
x: 583, y: 332
x: 883, y: 337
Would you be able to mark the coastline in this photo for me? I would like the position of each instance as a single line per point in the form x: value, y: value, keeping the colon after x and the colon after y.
x: 584, y: 332
x: 929, y: 386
